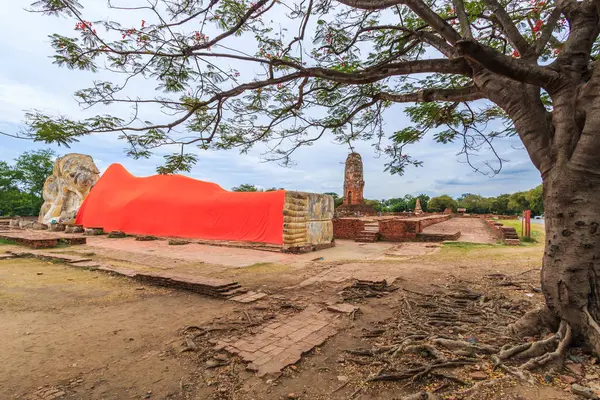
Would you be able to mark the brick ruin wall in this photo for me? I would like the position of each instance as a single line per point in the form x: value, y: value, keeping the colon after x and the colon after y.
x: 398, y: 230
x: 347, y: 228
x: 507, y: 234
x: 391, y: 230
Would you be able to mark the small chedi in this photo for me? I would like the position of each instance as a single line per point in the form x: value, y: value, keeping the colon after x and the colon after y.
x: 65, y: 190
x: 354, y: 202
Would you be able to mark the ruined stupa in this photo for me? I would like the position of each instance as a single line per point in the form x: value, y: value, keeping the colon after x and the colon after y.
x: 354, y: 202
x: 418, y: 209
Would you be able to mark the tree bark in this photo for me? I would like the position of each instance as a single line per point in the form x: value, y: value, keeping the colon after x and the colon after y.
x: 571, y: 263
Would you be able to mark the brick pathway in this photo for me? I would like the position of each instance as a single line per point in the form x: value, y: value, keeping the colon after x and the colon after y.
x: 282, y: 343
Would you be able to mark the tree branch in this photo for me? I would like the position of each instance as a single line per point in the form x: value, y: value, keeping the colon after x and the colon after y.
x: 419, y: 7
x: 371, y: 4
x: 547, y: 32
x: 465, y: 26
x: 440, y: 44
x: 234, y: 29
x: 584, y: 27
x: 514, y: 68
x: 512, y: 32
x: 469, y: 93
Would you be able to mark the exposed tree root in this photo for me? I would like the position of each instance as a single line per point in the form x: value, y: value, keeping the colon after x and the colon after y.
x: 533, y: 322
x: 466, y: 346
x: 423, y: 349
x: 459, y: 328
x: 417, y: 373
x: 540, y: 351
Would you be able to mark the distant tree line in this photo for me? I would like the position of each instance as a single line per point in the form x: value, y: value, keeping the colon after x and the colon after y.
x: 246, y: 187
x: 22, y: 182
x: 507, y: 204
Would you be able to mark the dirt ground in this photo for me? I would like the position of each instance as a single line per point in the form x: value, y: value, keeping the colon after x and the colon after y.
x: 473, y: 230
x: 68, y: 333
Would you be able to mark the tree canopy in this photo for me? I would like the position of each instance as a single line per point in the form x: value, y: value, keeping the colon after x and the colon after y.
x: 504, y: 204
x: 247, y: 187
x: 333, y: 67
x: 22, y: 183
x: 440, y: 203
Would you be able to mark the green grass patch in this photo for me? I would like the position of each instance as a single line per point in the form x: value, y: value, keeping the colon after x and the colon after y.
x: 468, y: 245
x: 7, y: 242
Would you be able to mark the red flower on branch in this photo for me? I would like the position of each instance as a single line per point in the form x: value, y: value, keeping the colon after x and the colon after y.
x: 538, y: 25
x: 516, y: 54
x: 82, y: 26
x: 143, y: 23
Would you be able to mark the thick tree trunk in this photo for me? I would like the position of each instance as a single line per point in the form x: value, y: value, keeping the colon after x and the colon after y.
x: 571, y: 265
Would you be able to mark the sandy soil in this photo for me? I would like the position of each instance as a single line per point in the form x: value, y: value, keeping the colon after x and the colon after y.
x: 92, y: 336
x: 473, y: 230
x: 61, y: 326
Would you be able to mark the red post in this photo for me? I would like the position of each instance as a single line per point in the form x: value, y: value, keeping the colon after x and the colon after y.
x: 526, y: 223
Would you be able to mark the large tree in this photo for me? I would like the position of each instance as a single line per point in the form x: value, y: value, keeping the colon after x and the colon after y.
x: 442, y: 202
x: 22, y: 184
x: 335, y: 66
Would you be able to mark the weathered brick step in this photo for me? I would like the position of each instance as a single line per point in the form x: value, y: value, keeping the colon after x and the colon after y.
x: 233, y: 286
x: 366, y: 239
x: 233, y: 293
x: 219, y: 288
x: 367, y: 236
x: 39, y: 240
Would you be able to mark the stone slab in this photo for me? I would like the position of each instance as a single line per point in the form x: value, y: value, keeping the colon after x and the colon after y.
x: 248, y: 297
x: 87, y: 264
x: 343, y: 308
x: 68, y: 258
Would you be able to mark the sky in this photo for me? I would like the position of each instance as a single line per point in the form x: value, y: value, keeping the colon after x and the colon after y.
x: 29, y: 80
